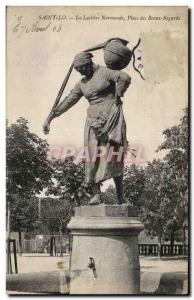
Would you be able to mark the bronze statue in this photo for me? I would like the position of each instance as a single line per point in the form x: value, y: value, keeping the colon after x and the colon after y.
x: 105, y: 127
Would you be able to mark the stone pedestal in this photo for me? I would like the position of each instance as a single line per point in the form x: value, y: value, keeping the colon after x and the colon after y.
x: 105, y: 257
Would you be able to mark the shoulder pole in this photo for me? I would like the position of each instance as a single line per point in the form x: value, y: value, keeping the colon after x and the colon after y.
x: 97, y: 47
x: 60, y: 91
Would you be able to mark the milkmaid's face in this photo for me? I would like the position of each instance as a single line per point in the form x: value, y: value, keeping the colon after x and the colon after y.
x: 86, y: 69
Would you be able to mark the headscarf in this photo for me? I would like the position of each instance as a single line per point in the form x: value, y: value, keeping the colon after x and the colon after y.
x: 82, y: 58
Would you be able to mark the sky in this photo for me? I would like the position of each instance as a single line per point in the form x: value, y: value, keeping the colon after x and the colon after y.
x: 41, y: 44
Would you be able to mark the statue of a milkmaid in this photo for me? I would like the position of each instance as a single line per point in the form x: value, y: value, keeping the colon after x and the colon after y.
x: 105, y: 127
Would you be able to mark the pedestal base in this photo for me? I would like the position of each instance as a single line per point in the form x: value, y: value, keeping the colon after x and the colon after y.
x: 106, y: 236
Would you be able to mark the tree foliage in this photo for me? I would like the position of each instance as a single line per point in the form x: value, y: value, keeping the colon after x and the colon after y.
x: 134, y: 181
x: 166, y: 190
x: 109, y: 196
x: 153, y: 210
x: 176, y: 143
x: 69, y: 181
x: 28, y: 172
x: 69, y: 191
x: 23, y: 213
x: 55, y: 214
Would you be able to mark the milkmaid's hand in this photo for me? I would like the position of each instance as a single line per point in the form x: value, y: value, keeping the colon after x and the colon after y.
x: 118, y: 100
x: 46, y: 127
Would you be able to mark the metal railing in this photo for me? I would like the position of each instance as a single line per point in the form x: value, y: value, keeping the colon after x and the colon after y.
x: 165, y: 250
x: 36, y: 246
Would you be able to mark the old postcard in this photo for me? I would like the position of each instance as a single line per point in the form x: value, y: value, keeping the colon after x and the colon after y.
x: 97, y: 150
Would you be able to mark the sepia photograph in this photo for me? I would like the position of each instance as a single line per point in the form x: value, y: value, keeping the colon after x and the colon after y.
x: 97, y: 150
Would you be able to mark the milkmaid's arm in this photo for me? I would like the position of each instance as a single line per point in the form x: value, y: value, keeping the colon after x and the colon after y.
x: 69, y: 101
x: 121, y: 79
x: 62, y: 107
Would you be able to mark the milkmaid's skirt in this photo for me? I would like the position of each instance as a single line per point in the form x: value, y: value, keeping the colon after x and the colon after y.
x: 104, y: 141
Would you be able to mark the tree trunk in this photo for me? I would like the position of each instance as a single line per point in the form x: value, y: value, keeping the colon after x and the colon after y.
x: 159, y: 245
x: 8, y: 237
x: 51, y: 246
x: 61, y: 242
x: 171, y: 242
x: 184, y: 241
x: 55, y: 248
x: 20, y: 242
x: 78, y: 201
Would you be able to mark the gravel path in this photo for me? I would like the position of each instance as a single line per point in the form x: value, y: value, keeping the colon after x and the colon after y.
x: 32, y: 263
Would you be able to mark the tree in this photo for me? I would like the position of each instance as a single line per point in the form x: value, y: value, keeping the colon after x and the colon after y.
x: 134, y: 181
x: 109, y: 196
x: 166, y: 187
x: 28, y: 172
x: 153, y: 211
x: 69, y: 182
x: 55, y: 215
x: 176, y: 145
x: 133, y: 186
x: 70, y: 189
x: 23, y: 215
